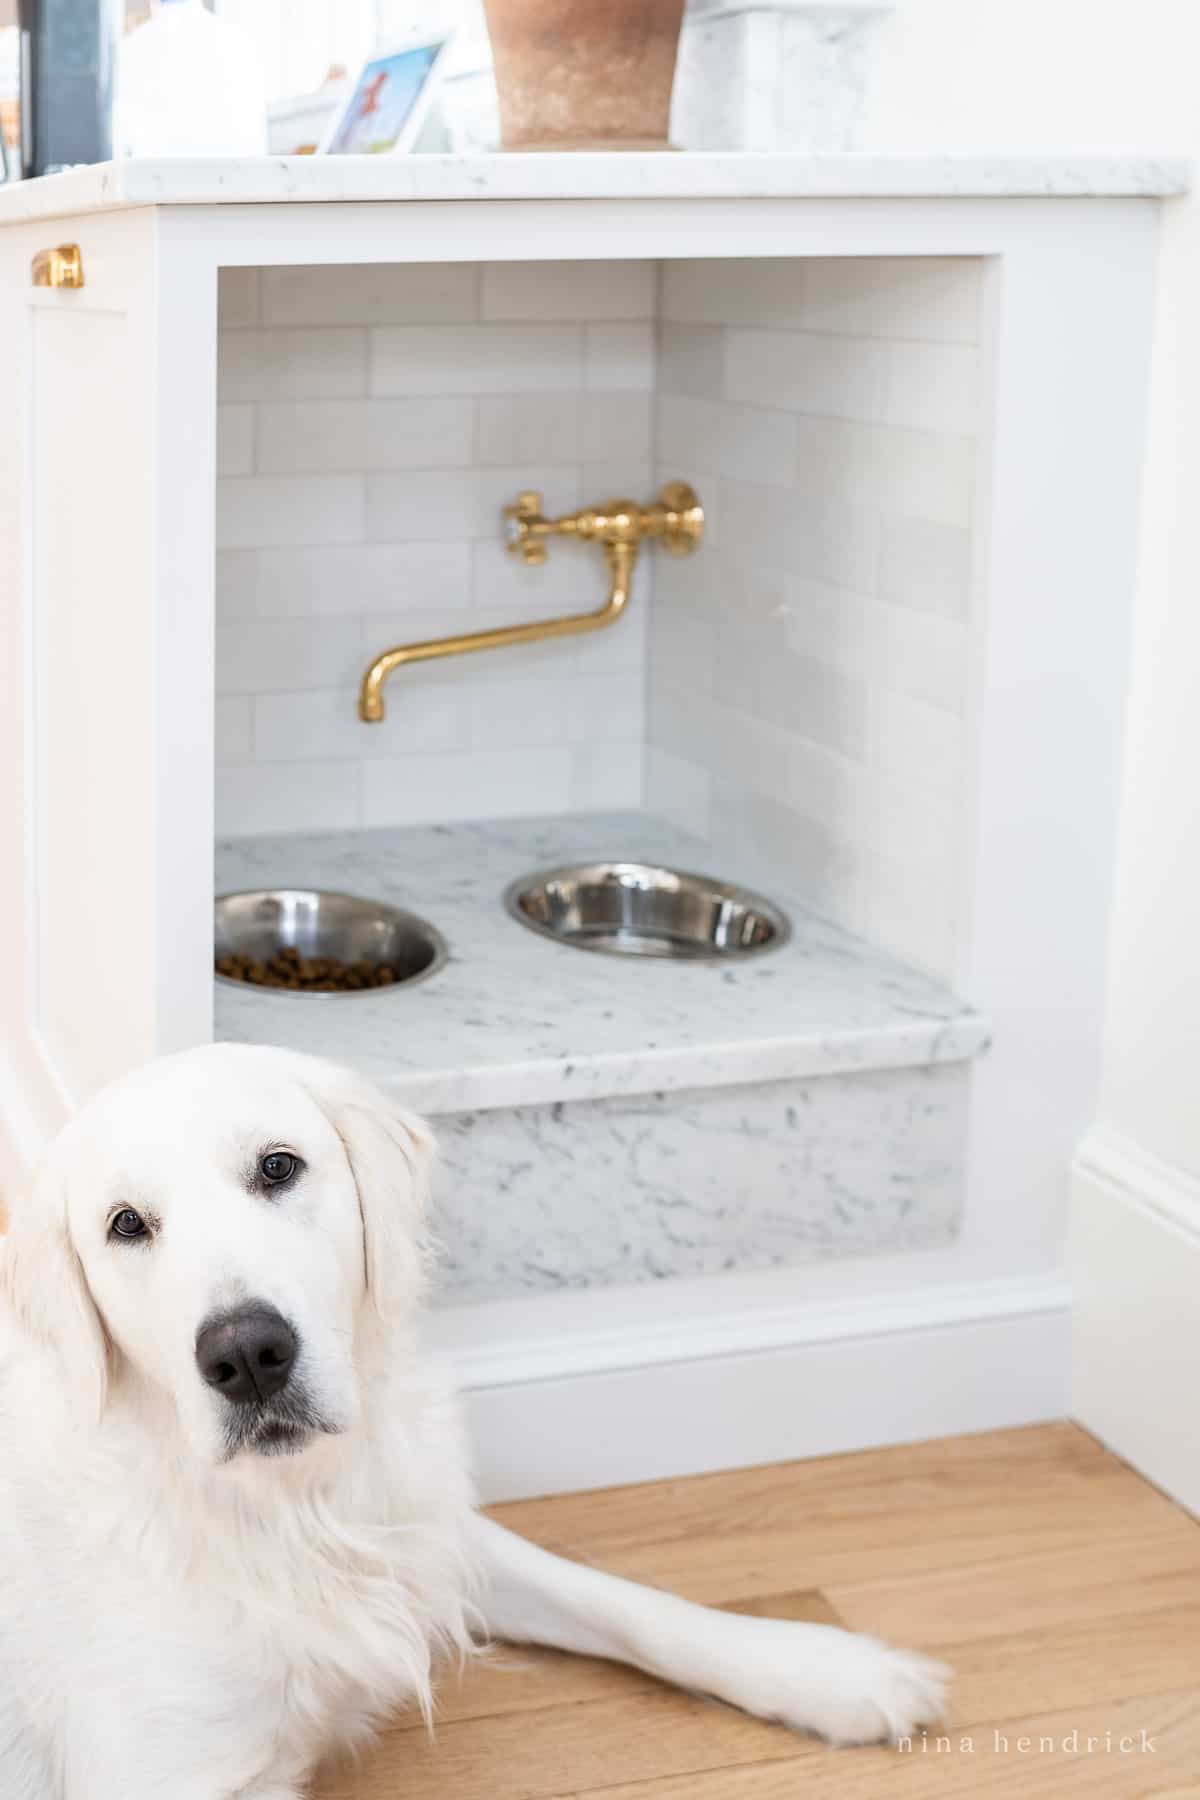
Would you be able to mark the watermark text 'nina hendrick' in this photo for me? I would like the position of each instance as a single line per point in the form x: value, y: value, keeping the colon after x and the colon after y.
x: 1002, y: 1743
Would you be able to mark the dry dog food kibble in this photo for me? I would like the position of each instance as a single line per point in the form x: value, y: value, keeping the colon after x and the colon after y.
x: 306, y: 974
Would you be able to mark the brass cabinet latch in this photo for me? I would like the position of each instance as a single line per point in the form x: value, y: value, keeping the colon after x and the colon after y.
x: 61, y: 267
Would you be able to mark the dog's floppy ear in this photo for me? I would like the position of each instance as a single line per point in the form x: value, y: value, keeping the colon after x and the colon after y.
x: 390, y: 1152
x: 42, y: 1279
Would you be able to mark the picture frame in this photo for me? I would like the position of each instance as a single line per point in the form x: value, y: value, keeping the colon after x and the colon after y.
x: 388, y: 100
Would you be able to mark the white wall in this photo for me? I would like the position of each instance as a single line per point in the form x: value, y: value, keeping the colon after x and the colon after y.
x: 957, y: 74
x: 1035, y: 74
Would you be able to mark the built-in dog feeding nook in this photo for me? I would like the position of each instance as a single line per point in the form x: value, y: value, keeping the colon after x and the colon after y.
x: 736, y: 765
x: 908, y: 396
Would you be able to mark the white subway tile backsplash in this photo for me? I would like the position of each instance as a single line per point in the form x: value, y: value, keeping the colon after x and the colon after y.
x: 810, y: 712
x: 794, y: 532
x: 516, y: 428
x: 618, y: 427
x: 342, y: 579
x: 832, y: 623
x: 731, y: 292
x: 606, y: 777
x: 678, y: 789
x: 604, y: 708
x: 568, y: 290
x: 797, y: 692
x: 336, y: 435
x: 566, y: 428
x: 234, y: 728
x: 918, y: 653
x: 926, y: 564
x: 760, y: 830
x: 691, y: 433
x: 428, y: 577
x: 928, y: 297
x: 834, y: 377
x: 370, y: 294
x: 236, y: 585
x: 519, y: 713
x: 235, y: 440
x: 618, y: 356
x: 886, y: 469
x: 458, y: 503
x: 253, y: 798
x: 934, y: 387
x: 807, y: 698
x: 237, y: 297
x: 921, y: 655
x: 262, y: 510
x: 476, y: 359
x: 683, y: 649
x: 918, y: 745
x: 312, y: 436
x: 291, y: 365
x: 282, y: 655
x: 422, y: 716
x: 691, y: 360
x: 746, y: 442
x: 464, y: 784
x: 911, y: 909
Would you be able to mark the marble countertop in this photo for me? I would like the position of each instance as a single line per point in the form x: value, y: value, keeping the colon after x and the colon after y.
x: 261, y: 180
x: 514, y: 1019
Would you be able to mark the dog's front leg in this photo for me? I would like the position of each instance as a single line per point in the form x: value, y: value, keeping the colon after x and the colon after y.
x: 849, y: 1688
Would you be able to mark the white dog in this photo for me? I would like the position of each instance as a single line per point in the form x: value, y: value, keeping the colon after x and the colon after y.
x: 236, y: 1523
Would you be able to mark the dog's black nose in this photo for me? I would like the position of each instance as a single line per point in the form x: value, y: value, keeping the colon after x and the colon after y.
x: 247, y: 1354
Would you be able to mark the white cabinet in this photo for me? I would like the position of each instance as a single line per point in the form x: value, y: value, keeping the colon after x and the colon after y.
x: 107, y: 552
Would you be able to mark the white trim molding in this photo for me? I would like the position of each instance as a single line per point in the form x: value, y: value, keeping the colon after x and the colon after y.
x: 637, y: 1403
x: 1135, y: 1260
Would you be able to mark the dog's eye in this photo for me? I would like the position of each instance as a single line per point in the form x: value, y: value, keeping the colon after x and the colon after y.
x: 128, y: 1224
x: 277, y: 1167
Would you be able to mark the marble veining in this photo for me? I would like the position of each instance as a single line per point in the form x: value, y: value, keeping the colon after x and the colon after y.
x: 642, y: 1188
x: 515, y: 1021
x: 207, y: 181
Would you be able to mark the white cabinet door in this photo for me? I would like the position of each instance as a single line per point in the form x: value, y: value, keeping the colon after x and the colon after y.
x: 106, y: 502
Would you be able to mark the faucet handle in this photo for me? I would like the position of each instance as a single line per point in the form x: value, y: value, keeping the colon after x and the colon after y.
x: 520, y: 526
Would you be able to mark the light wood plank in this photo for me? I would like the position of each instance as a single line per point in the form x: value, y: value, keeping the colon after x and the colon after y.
x: 1019, y: 1593
x: 1074, y: 1665
x: 1172, y: 1719
x: 532, y: 1756
x: 1062, y: 1586
x: 839, y: 1539
x: 761, y: 1498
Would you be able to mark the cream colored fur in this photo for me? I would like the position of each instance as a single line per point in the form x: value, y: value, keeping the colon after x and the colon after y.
x: 177, y: 1624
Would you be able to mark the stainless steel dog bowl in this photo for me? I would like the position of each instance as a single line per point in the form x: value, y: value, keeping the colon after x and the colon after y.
x: 639, y: 909
x: 262, y: 921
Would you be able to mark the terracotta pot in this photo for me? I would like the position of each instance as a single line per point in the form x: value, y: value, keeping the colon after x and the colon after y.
x: 584, y: 74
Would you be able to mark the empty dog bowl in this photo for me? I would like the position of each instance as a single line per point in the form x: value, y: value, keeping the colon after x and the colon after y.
x: 305, y: 928
x: 639, y: 909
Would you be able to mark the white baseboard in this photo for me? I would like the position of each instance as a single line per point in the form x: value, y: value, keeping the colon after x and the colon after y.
x: 637, y: 1404
x: 1135, y: 1258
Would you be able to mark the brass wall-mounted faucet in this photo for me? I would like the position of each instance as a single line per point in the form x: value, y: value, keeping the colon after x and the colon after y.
x: 676, y: 519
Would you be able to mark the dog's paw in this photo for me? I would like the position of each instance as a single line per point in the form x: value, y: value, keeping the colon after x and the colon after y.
x: 876, y: 1694
x: 848, y: 1688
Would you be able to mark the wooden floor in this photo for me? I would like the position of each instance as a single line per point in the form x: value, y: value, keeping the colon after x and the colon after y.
x: 1064, y: 1590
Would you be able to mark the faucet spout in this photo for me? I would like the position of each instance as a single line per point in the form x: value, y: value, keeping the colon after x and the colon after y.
x: 676, y: 518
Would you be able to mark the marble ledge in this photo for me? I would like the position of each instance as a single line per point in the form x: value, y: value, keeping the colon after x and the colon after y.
x: 718, y: 174
x: 513, y: 1020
